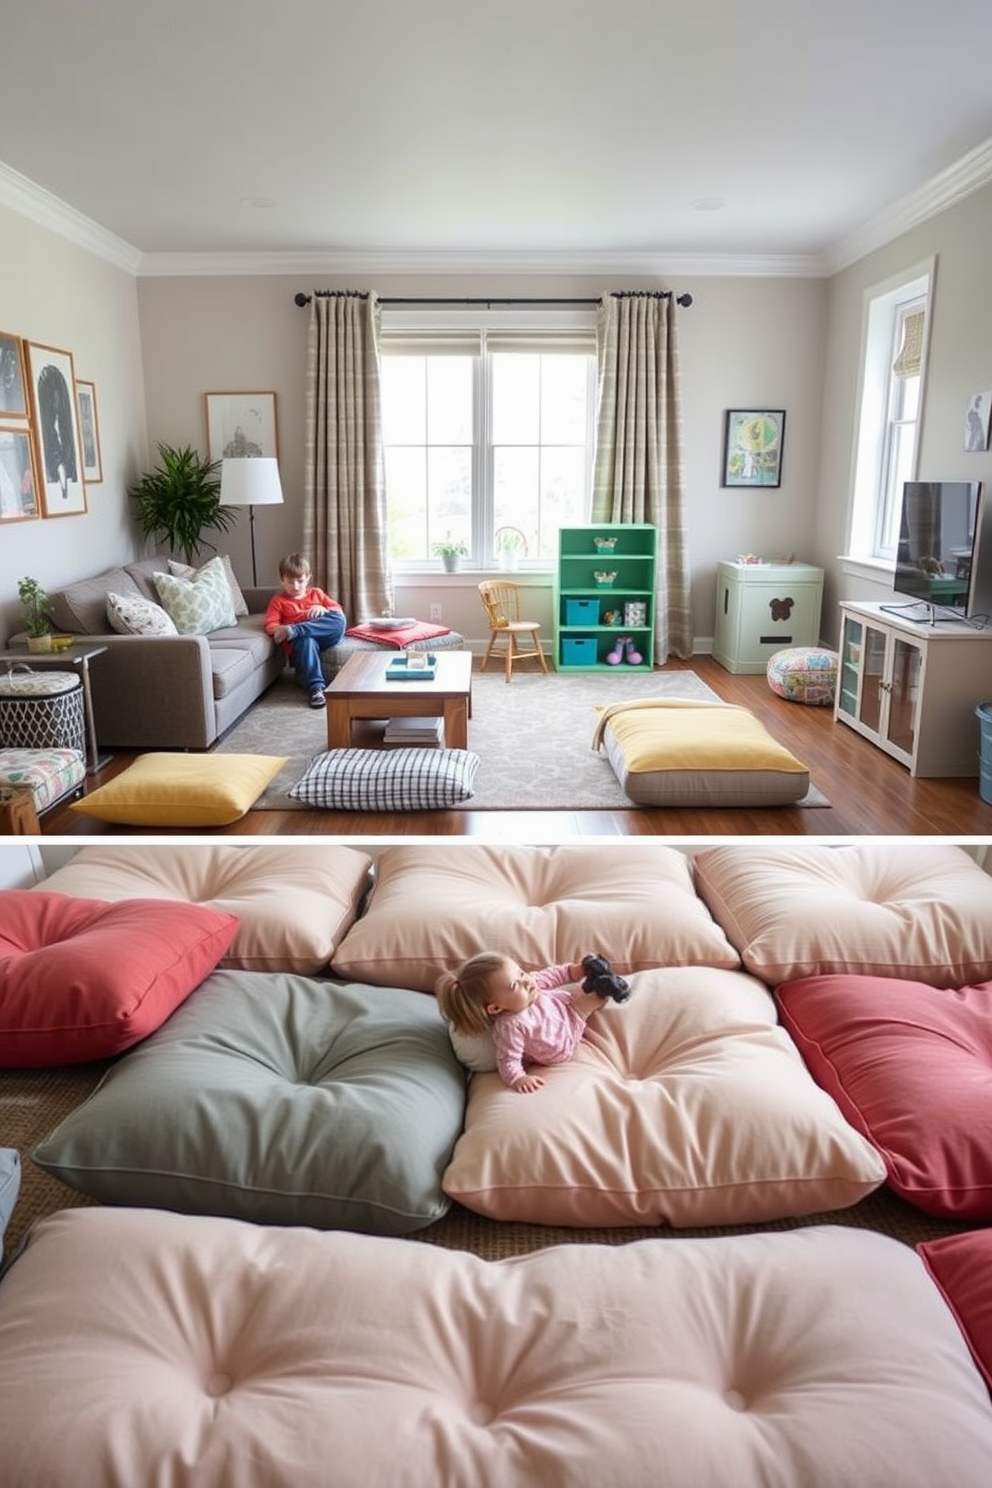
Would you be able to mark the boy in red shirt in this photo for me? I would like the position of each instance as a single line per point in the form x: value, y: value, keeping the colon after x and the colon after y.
x: 304, y: 621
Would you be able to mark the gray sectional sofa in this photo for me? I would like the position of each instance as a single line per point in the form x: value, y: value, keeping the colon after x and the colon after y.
x: 166, y: 692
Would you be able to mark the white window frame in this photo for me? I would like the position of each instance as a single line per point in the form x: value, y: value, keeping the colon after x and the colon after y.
x: 884, y: 306
x: 569, y: 326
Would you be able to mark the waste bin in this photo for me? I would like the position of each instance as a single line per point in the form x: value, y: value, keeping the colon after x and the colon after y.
x: 984, y: 712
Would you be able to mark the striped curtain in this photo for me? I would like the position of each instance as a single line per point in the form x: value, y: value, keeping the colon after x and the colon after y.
x: 638, y: 468
x: 344, y: 508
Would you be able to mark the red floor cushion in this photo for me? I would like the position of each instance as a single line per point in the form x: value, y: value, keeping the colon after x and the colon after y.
x: 961, y: 1265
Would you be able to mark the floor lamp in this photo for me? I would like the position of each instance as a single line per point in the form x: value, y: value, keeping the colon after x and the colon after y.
x: 251, y: 482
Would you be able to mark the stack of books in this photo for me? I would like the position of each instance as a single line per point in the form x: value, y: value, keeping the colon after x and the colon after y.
x: 420, y: 733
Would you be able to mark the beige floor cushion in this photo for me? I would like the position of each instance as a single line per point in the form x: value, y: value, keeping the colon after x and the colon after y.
x: 139, y: 1348
x: 673, y: 752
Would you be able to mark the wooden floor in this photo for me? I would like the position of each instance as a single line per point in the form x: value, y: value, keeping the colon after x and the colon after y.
x: 870, y: 795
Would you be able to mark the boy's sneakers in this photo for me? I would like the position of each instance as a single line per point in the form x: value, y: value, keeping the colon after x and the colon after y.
x: 317, y: 698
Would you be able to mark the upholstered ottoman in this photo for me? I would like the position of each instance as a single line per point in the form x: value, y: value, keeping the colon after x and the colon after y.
x: 204, y: 1353
x: 675, y: 752
x: 804, y: 674
x: 50, y: 774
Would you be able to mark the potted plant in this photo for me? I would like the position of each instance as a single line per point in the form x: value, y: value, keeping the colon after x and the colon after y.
x: 180, y: 499
x: 34, y: 602
x: 449, y: 553
x: 510, y: 546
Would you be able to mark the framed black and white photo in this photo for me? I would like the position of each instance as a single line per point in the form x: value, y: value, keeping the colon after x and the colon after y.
x: 56, y: 427
x: 976, y: 423
x: 13, y: 387
x: 752, y: 446
x: 18, y: 477
x: 89, y: 433
x: 241, y: 425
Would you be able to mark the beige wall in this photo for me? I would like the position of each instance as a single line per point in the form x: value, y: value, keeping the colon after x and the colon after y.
x: 58, y: 294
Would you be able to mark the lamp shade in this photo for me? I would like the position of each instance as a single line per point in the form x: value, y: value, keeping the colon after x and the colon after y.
x: 251, y: 482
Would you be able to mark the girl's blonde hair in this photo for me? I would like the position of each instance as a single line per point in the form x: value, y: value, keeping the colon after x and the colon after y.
x: 462, y: 994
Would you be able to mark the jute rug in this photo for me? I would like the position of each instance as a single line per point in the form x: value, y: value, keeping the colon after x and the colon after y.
x: 533, y: 736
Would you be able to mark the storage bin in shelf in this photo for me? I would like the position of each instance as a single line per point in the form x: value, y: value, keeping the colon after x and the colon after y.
x: 578, y: 651
x: 581, y: 611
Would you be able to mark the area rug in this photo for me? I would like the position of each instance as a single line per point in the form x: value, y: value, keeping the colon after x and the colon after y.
x: 532, y: 735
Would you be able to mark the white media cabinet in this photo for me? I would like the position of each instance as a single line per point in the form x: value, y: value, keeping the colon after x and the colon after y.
x: 912, y: 688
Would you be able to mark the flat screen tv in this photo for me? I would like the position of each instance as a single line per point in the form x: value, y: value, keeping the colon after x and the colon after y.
x: 944, y: 557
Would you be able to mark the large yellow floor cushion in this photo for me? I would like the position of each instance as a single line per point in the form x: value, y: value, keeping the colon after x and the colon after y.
x: 677, y: 752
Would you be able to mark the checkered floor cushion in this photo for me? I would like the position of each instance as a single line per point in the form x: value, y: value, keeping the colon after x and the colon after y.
x: 388, y: 779
x: 50, y: 773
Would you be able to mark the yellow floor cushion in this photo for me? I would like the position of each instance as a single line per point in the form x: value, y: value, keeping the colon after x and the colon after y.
x: 183, y: 790
x: 676, y: 752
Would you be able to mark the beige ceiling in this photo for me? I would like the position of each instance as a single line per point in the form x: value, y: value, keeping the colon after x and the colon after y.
x: 517, y: 130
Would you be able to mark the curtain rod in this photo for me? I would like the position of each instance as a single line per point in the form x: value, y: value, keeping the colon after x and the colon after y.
x: 302, y: 299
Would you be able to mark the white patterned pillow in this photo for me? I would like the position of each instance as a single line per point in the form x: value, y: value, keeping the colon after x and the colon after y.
x: 388, y: 779
x: 132, y: 614
x: 186, y: 571
x: 200, y: 604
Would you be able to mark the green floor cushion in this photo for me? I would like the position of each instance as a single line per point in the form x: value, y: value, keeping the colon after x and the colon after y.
x: 676, y: 752
x: 280, y: 1099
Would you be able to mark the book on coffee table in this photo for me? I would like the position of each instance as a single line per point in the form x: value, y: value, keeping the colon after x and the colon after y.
x: 419, y: 731
x: 418, y: 666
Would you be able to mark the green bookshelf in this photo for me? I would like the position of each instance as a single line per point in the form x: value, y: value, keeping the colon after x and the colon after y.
x: 591, y: 616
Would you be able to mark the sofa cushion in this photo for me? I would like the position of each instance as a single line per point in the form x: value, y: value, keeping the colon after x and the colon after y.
x: 199, y: 604
x: 239, y: 1354
x: 187, y: 571
x: 81, y: 608
x: 182, y: 790
x: 387, y: 779
x: 10, y: 1184
x: 961, y: 1266
x: 911, y: 1067
x: 81, y: 979
x: 293, y: 903
x: 905, y: 910
x: 132, y: 614
x: 433, y: 905
x: 671, y: 752
x: 279, y: 1099
x: 231, y: 666
x: 686, y: 1105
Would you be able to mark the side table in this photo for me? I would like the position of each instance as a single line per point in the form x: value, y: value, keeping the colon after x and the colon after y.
x: 79, y: 657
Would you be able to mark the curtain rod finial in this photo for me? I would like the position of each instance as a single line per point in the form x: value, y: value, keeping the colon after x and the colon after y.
x: 684, y: 299
x: 301, y: 299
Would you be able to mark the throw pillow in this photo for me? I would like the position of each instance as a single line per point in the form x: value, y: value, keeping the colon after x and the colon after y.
x: 81, y: 980
x: 182, y: 790
x: 187, y: 571
x: 961, y: 1265
x: 388, y: 779
x: 132, y: 614
x: 200, y: 604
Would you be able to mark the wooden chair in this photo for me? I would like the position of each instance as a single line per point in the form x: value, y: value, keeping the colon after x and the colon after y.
x: 501, y: 600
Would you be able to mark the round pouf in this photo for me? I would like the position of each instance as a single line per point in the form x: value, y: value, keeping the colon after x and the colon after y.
x: 804, y: 674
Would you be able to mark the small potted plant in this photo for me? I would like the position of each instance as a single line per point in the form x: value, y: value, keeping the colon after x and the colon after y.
x: 449, y: 553
x: 34, y: 602
x: 510, y: 545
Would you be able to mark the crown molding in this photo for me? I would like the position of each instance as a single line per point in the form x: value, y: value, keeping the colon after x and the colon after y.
x: 40, y: 206
x: 946, y: 189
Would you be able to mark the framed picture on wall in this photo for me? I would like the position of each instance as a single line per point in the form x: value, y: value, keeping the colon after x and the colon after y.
x: 56, y: 426
x: 752, y: 447
x: 13, y: 384
x: 241, y: 425
x: 89, y: 433
x: 18, y: 475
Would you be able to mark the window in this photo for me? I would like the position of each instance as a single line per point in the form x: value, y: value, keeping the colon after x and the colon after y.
x: 486, y: 429
x: 894, y: 356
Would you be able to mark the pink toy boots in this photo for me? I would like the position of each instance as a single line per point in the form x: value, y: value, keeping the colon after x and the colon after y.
x: 624, y: 650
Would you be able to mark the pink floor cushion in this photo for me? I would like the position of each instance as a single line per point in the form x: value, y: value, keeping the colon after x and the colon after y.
x: 81, y: 980
x: 803, y: 674
x: 235, y: 1354
x: 910, y: 1066
x: 961, y: 1265
x: 687, y: 1105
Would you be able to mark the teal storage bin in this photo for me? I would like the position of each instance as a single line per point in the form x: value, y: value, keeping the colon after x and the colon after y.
x: 578, y: 651
x: 582, y: 612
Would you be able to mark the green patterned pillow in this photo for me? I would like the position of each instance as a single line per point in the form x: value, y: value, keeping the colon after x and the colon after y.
x: 200, y: 604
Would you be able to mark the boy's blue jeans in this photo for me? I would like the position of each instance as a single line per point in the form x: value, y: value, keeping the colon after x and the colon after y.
x: 307, y: 640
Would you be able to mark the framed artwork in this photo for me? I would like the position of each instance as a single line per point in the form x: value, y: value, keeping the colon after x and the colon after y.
x: 13, y: 384
x: 976, y: 424
x: 241, y: 425
x: 752, y: 447
x: 56, y: 425
x: 18, y: 474
x: 89, y: 433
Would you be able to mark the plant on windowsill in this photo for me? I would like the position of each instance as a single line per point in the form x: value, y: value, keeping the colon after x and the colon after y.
x: 449, y: 553
x: 511, y: 545
x: 34, y: 602
x: 179, y: 500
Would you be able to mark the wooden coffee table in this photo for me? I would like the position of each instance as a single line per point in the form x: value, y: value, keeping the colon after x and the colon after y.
x: 360, y: 690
